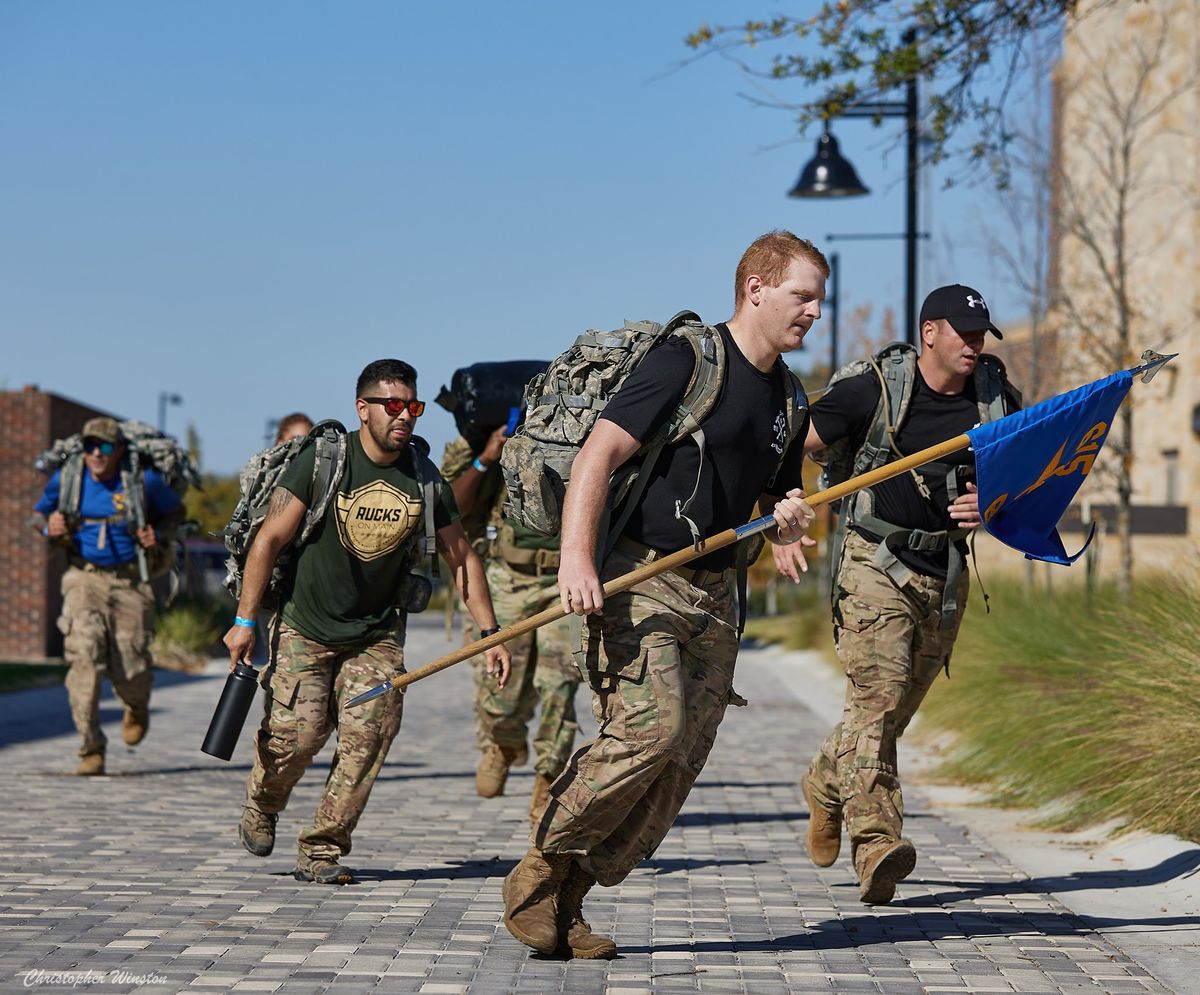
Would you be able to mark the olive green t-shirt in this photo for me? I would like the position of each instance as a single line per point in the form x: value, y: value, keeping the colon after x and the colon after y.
x: 346, y: 579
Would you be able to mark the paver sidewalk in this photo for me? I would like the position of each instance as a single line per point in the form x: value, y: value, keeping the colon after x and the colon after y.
x: 138, y: 878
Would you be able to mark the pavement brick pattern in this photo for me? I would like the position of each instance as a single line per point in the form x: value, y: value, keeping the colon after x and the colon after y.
x: 137, y: 877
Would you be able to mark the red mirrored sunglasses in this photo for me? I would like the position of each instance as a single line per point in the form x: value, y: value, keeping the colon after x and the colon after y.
x: 393, y: 405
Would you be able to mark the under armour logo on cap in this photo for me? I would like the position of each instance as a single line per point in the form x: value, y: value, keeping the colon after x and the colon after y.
x: 963, y: 307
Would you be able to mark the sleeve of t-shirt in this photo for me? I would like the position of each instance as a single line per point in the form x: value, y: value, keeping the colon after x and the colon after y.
x: 791, y: 470
x: 846, y: 409
x: 160, y: 499
x: 48, y: 502
x: 653, y: 390
x: 456, y: 457
x: 298, y: 476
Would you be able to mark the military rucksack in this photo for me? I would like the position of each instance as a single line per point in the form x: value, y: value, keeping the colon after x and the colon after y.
x: 257, y: 481
x: 896, y: 368
x: 146, y: 448
x: 564, y: 403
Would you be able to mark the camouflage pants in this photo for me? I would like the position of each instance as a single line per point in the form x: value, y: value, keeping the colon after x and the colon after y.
x: 660, y: 660
x: 892, y: 649
x: 309, y: 685
x: 107, y: 623
x: 542, y: 671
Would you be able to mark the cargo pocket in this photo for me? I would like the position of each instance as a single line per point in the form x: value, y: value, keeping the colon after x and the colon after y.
x: 283, y: 689
x: 626, y: 661
x: 857, y: 616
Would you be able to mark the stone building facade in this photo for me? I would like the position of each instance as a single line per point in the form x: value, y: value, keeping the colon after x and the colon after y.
x: 1127, y: 239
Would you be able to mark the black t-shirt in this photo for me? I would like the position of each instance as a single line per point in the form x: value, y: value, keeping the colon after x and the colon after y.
x: 744, y: 437
x: 848, y: 409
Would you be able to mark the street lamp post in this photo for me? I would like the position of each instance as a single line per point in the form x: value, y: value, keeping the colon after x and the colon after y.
x: 164, y: 398
x: 828, y: 174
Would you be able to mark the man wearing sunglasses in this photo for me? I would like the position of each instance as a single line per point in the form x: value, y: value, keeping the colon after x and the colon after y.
x: 108, y: 613
x: 341, y: 629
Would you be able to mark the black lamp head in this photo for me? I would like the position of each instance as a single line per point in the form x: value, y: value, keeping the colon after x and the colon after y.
x: 827, y: 174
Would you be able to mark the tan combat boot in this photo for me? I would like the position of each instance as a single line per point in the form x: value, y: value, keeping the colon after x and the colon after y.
x: 134, y: 725
x: 90, y: 765
x: 531, y: 899
x: 881, y: 866
x: 824, y: 837
x: 492, y: 771
x: 539, y: 797
x: 256, y: 830
x: 574, y: 929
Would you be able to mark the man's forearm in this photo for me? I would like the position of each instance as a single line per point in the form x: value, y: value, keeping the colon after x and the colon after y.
x: 472, y: 585
x: 260, y: 563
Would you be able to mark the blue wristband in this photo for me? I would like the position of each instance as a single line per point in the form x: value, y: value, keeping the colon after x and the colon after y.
x: 245, y: 623
x: 481, y: 467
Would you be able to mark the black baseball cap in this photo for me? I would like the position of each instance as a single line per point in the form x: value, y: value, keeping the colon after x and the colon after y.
x: 964, y: 308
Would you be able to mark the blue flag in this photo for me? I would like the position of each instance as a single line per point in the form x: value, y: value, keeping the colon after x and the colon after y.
x: 1029, y: 465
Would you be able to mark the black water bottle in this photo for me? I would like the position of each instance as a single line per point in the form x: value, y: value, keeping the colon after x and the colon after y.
x: 230, y: 716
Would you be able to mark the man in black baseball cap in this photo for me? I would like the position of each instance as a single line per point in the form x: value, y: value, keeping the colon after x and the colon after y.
x: 900, y: 581
x: 964, y: 308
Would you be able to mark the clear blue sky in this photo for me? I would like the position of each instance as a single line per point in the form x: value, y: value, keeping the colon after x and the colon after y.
x: 246, y: 203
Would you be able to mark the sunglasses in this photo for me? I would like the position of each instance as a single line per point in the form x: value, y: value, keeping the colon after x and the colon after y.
x: 98, y: 446
x: 394, y: 406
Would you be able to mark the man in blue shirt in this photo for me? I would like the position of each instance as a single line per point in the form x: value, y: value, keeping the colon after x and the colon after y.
x: 108, y: 612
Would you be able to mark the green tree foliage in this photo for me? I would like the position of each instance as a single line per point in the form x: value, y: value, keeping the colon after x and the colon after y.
x: 854, y: 51
x: 212, y: 506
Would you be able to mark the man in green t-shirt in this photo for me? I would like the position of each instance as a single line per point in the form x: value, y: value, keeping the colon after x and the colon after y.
x: 341, y: 631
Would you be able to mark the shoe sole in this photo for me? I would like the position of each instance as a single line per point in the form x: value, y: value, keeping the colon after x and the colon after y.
x: 345, y: 877
x: 604, y: 953
x: 251, y: 847
x: 488, y: 794
x: 893, y: 868
x: 519, y: 933
x: 813, y: 806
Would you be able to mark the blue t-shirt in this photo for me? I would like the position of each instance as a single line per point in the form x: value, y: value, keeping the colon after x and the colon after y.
x: 106, y: 499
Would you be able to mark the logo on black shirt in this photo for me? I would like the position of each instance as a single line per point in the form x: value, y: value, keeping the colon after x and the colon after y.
x: 375, y: 519
x: 780, y: 428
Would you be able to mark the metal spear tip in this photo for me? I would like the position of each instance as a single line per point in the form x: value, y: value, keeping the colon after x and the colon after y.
x: 366, y: 696
x: 1152, y: 362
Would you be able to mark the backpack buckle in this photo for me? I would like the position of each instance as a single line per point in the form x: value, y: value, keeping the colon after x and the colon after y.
x: 920, y: 541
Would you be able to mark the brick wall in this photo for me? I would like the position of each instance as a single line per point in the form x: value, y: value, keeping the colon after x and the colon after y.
x: 29, y: 571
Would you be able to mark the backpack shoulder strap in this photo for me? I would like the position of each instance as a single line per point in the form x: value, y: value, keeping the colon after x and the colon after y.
x: 794, y: 409
x: 70, y: 489
x: 996, y: 396
x: 896, y: 367
x: 699, y: 397
x: 330, y: 442
x: 427, y: 475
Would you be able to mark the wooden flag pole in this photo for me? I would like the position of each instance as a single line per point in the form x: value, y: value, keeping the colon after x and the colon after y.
x: 678, y: 559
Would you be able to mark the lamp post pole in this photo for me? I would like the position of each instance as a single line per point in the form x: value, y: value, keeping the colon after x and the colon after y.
x: 830, y: 175
x: 835, y: 301
x: 164, y: 398
x: 911, y: 135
